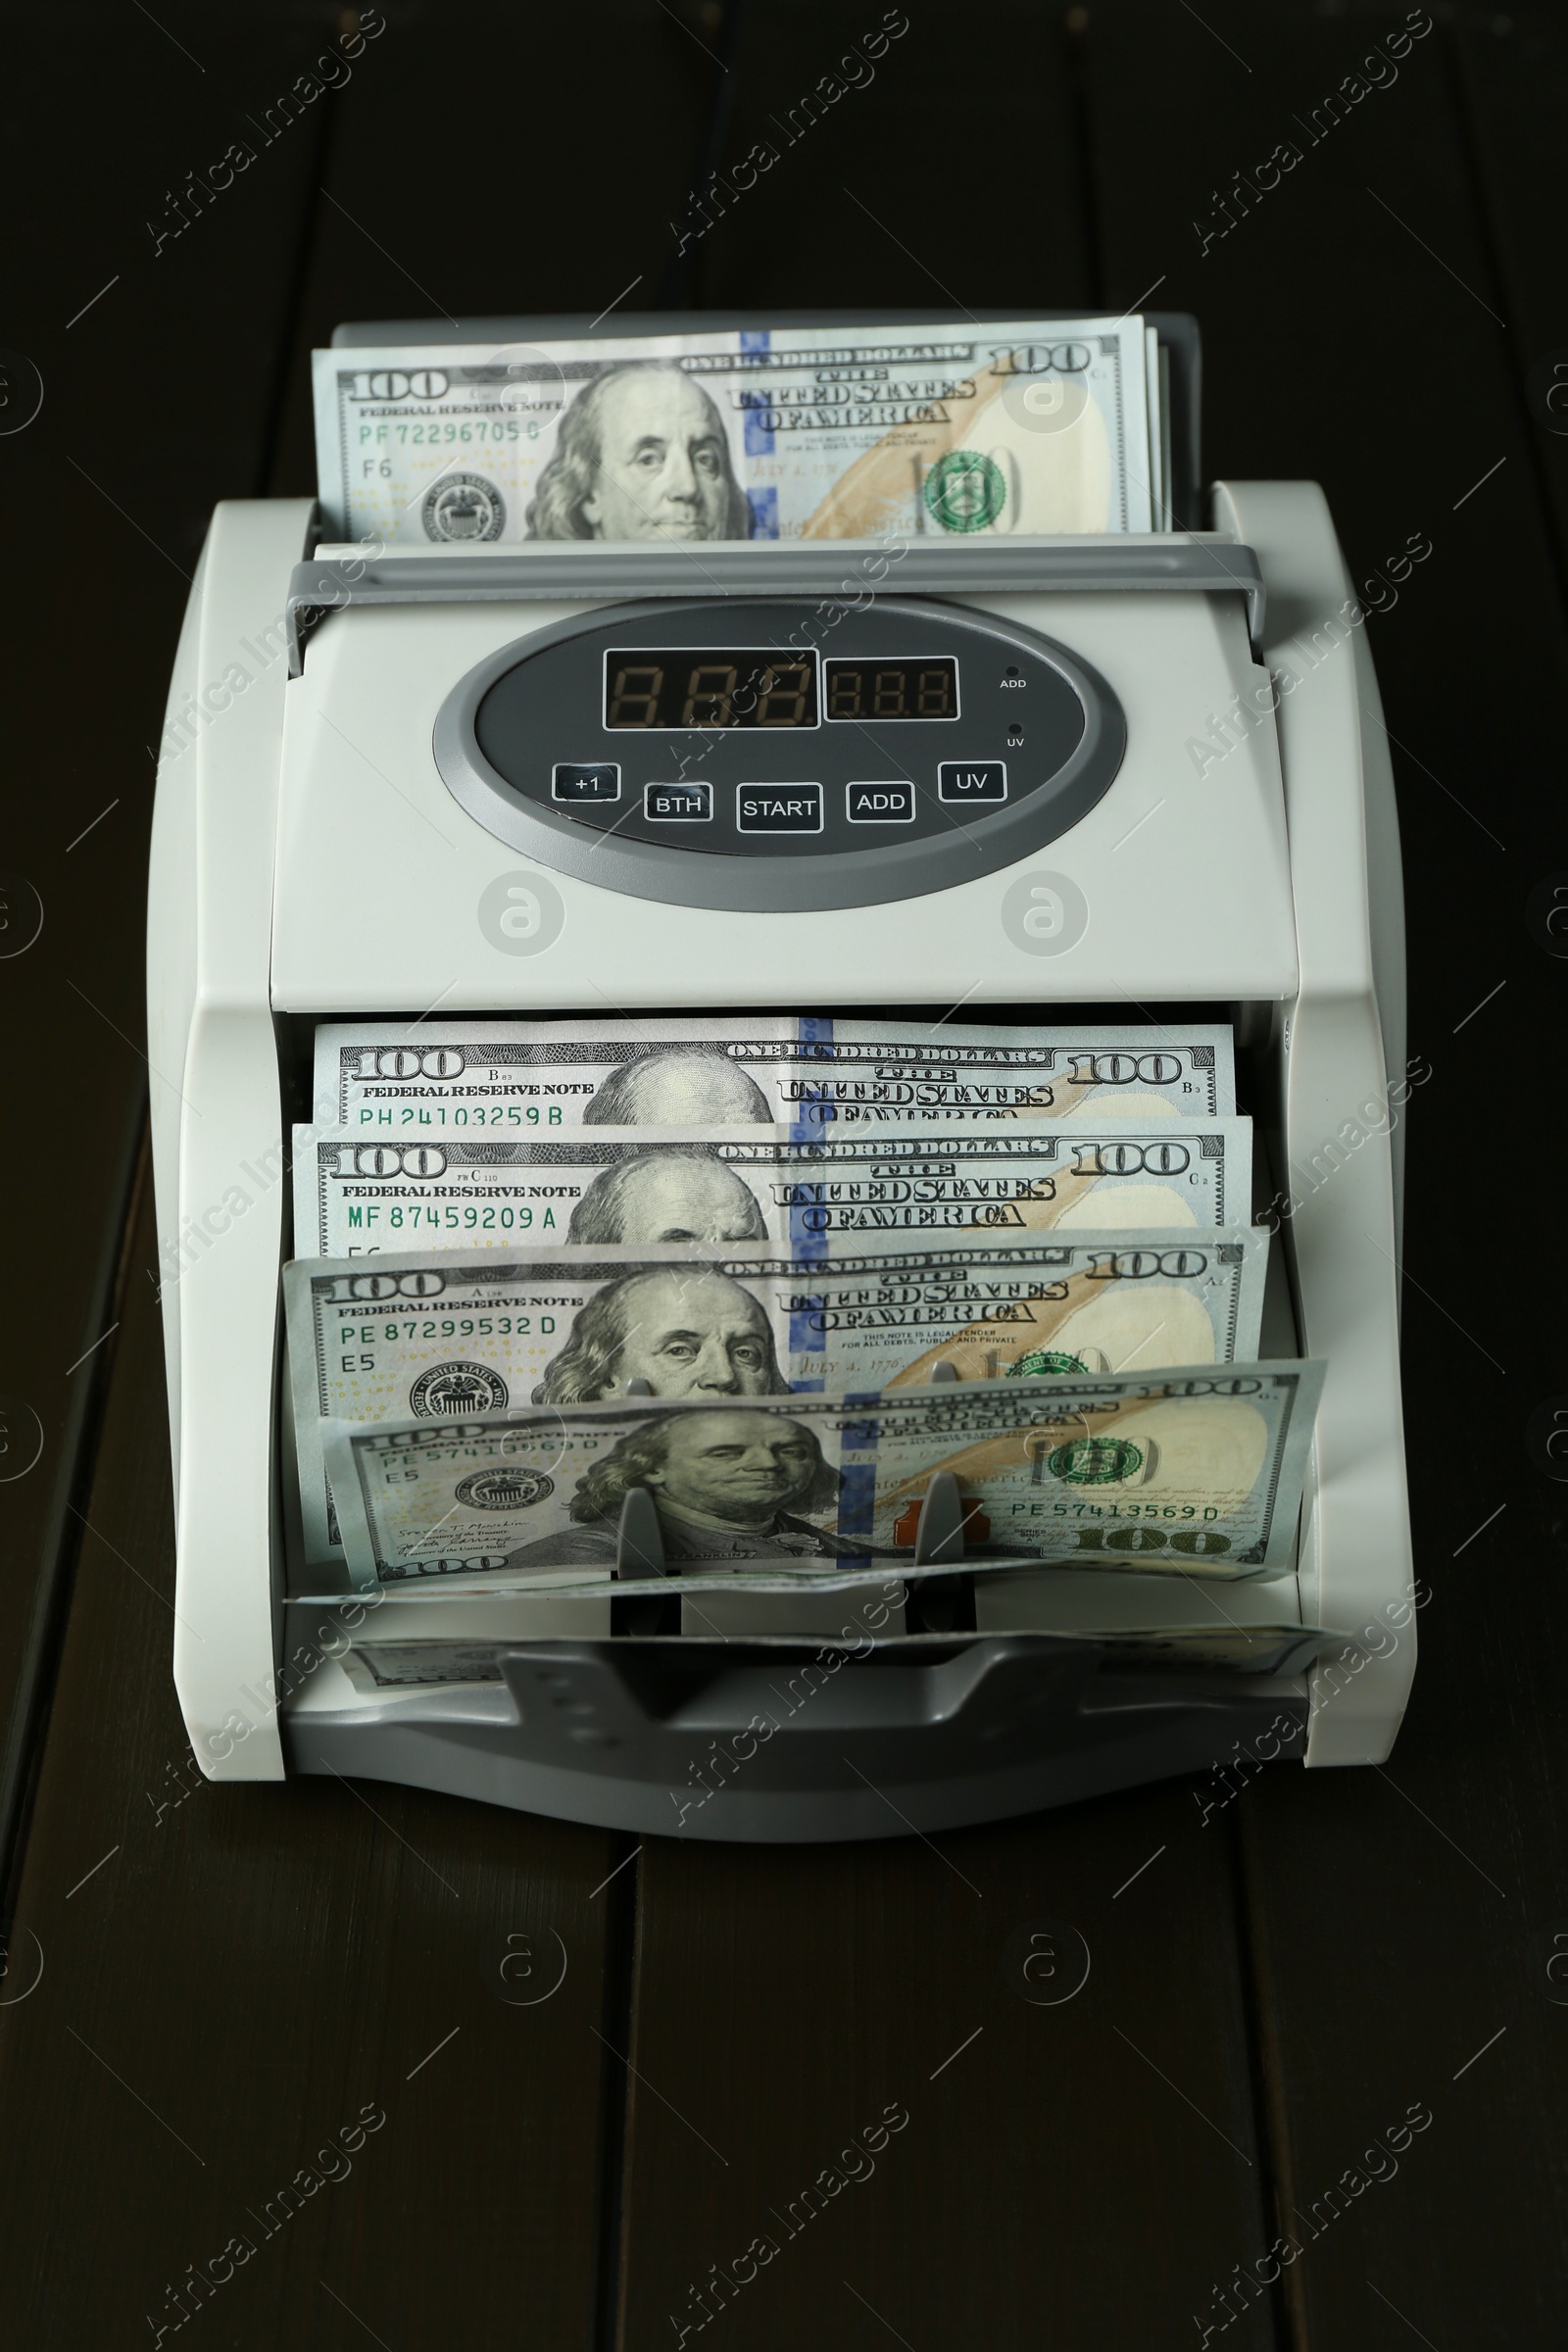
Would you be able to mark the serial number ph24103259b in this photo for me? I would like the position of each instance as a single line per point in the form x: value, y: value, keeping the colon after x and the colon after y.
x: 464, y: 1114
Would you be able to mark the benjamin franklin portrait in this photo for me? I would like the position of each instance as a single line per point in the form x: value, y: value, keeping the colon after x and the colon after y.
x: 640, y: 454
x: 678, y: 1086
x: 676, y: 1195
x: 726, y: 1485
x: 688, y: 1332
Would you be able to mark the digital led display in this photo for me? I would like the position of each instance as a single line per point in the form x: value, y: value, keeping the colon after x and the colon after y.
x: 748, y: 686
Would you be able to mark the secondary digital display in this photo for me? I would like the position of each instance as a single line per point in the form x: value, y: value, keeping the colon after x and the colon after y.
x: 748, y: 686
x: 926, y: 689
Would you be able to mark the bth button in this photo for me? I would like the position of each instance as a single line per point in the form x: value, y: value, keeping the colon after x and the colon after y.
x: 880, y: 803
x: 973, y: 780
x: 678, y: 804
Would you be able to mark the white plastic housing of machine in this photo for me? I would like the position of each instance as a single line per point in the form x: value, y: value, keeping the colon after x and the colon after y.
x: 310, y: 862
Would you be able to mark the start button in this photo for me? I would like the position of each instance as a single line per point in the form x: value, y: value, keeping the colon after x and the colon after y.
x: 778, y: 808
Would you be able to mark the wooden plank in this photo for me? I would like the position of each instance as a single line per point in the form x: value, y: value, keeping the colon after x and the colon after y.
x: 156, y: 363
x: 786, y: 1997
x: 930, y: 170
x: 1511, y: 83
x: 1395, y: 1913
x: 232, y: 1973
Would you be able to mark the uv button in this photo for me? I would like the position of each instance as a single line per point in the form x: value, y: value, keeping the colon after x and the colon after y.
x: 880, y: 803
x: 973, y: 780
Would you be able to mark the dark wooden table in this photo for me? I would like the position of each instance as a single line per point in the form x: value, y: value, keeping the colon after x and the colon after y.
x: 265, y: 2051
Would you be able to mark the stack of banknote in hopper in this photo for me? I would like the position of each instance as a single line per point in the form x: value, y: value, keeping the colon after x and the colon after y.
x: 765, y: 1276
x: 1031, y: 426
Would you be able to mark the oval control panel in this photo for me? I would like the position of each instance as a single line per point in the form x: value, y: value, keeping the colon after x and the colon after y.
x: 778, y: 753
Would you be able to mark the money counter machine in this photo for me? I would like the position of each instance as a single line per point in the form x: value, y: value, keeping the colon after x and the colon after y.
x: 1149, y: 779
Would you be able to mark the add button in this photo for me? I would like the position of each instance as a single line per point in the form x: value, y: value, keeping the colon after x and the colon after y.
x: 973, y: 780
x: 880, y: 803
x: 778, y: 808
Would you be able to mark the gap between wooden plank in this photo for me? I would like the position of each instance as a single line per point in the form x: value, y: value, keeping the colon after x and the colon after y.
x: 1494, y: 243
x: 73, y: 1477
x: 621, y: 1892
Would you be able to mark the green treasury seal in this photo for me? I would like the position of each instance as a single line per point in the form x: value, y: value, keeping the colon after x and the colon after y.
x: 965, y: 491
x: 1096, y: 1461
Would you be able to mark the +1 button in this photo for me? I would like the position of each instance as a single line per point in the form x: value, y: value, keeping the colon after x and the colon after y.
x: 587, y: 780
x: 973, y: 780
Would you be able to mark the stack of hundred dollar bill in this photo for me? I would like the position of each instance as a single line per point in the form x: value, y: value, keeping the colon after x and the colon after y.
x: 757, y: 1279
x: 1025, y: 427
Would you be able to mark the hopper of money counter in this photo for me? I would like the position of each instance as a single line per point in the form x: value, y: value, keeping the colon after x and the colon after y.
x: 988, y: 777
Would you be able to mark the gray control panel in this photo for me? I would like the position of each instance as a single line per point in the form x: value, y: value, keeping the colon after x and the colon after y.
x: 777, y: 753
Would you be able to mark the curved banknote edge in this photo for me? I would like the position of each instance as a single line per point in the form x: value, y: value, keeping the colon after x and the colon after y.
x: 378, y: 1667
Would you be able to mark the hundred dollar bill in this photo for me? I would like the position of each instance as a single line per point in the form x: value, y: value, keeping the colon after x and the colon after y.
x: 831, y: 432
x: 477, y: 1331
x: 1198, y: 1472
x: 637, y: 1186
x: 527, y: 1077
x: 412, y: 1665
